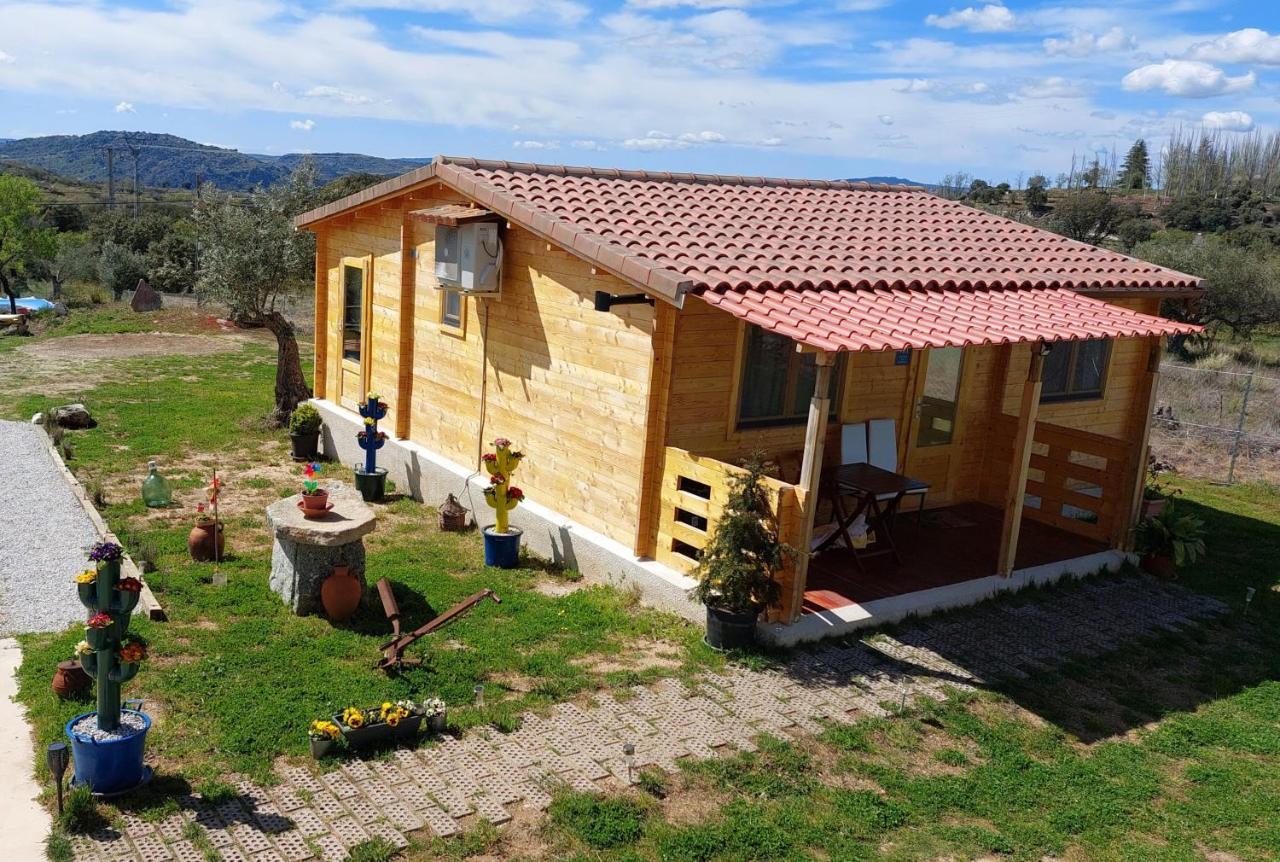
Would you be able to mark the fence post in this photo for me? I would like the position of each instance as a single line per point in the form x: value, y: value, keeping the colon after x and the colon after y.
x: 1235, y: 444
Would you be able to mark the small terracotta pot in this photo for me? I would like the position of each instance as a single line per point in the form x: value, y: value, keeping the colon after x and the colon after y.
x: 340, y: 594
x: 70, y: 679
x: 1159, y: 565
x: 204, y: 544
x: 317, y: 503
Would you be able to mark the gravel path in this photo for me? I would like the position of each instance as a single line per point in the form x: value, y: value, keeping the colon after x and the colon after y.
x: 44, y: 536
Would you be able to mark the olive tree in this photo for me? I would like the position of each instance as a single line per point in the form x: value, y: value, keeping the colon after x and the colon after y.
x: 26, y: 242
x: 252, y: 259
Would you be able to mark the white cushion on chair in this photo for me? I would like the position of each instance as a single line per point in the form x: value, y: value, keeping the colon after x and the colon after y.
x: 853, y: 443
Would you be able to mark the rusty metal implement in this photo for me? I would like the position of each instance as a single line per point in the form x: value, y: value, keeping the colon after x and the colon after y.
x: 393, y: 650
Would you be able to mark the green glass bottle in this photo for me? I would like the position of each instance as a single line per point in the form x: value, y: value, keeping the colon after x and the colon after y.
x: 155, y: 488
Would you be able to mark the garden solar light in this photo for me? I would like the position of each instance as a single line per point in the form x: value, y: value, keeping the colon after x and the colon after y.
x: 629, y: 749
x: 479, y: 695
x: 57, y: 758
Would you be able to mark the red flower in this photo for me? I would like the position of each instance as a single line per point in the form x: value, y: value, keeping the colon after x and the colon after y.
x: 133, y: 652
x: 99, y: 621
x: 496, y: 478
x: 130, y: 585
x: 489, y: 457
x: 515, y: 494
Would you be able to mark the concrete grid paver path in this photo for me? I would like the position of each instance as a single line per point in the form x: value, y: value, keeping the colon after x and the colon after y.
x: 442, y: 788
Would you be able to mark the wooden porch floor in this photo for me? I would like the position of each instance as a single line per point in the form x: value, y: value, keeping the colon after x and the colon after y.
x: 954, y: 544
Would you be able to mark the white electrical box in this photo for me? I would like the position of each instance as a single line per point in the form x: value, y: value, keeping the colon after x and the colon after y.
x: 468, y: 257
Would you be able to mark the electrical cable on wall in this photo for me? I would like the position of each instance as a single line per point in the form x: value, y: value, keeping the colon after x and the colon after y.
x: 484, y: 378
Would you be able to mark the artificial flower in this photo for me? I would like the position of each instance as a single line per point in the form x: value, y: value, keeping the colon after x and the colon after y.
x: 489, y: 457
x: 514, y: 493
x: 132, y: 652
x: 502, y: 443
x: 99, y: 621
x: 106, y: 552
x: 372, y: 398
x: 129, y: 585
x: 496, y: 478
x: 88, y: 576
x: 368, y: 420
x: 83, y: 648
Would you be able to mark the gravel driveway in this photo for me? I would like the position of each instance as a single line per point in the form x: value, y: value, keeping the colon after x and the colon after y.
x: 44, y: 536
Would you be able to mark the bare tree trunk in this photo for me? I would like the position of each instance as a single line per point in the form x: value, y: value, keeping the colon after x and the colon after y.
x: 291, y: 385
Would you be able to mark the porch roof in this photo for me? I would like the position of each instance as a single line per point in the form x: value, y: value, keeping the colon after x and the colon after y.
x: 856, y: 320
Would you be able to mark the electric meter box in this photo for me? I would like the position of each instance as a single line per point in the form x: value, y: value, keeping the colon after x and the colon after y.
x: 467, y: 256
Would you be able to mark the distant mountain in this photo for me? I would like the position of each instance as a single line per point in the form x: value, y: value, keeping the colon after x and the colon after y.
x: 167, y: 161
x: 890, y: 181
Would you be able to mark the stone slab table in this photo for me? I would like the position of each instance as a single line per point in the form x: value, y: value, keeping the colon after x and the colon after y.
x: 305, y: 550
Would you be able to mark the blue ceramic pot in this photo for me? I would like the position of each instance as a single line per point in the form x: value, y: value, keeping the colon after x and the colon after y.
x: 109, y: 766
x: 502, y: 550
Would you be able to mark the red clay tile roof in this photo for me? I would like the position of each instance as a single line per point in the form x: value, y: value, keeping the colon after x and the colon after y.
x: 892, y: 319
x: 761, y: 247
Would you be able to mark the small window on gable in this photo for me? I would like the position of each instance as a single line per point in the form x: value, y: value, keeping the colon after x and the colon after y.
x: 1075, y: 370
x: 453, y: 312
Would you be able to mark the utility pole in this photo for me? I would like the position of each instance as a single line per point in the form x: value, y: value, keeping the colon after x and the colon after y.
x: 111, y: 179
x: 137, y: 192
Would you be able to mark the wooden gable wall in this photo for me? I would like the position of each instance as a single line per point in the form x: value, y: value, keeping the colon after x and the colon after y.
x: 567, y: 384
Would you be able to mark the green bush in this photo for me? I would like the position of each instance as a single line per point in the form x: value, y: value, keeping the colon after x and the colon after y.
x: 120, y: 268
x: 600, y: 822
x: 80, y: 813
x: 305, y: 419
x: 373, y: 850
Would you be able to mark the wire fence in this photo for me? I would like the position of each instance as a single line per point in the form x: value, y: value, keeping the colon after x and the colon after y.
x: 1221, y: 424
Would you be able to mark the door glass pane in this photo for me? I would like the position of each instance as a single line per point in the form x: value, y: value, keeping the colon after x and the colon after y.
x: 764, y: 379
x: 352, y: 310
x: 938, y: 400
x: 1057, y: 365
x: 1091, y: 366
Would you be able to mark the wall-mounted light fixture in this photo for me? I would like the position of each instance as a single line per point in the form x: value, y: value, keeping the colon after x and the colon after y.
x: 605, y: 300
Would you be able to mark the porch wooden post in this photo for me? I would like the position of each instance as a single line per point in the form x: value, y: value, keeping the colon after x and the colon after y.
x: 1146, y: 402
x: 815, y: 438
x: 1016, y: 492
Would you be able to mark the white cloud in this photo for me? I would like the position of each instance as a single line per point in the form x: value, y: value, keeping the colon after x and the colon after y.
x: 1228, y: 121
x: 586, y: 144
x: 702, y: 137
x: 484, y: 11
x: 1082, y: 43
x: 1249, y: 45
x: 656, y: 140
x: 1186, y: 78
x: 689, y: 4
x: 1054, y: 87
x: 536, y: 145
x: 992, y: 18
x: 125, y: 108
x: 302, y: 125
x: 5, y: 58
x: 337, y: 94
x: 886, y: 119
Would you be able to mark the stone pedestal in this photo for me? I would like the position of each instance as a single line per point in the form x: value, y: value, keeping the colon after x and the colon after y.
x: 305, y: 549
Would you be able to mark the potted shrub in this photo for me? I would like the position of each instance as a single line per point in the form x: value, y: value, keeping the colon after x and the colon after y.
x: 736, y: 572
x: 502, y: 541
x: 1155, y: 493
x: 371, y: 480
x: 324, y: 736
x: 304, y: 432
x: 107, y: 745
x: 315, y: 500
x: 1168, y: 541
x: 206, y: 541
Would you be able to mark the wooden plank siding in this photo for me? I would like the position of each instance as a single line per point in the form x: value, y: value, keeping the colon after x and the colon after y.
x: 569, y: 385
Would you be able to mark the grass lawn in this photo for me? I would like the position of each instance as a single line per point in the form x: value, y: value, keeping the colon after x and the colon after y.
x: 236, y: 678
x: 1165, y: 750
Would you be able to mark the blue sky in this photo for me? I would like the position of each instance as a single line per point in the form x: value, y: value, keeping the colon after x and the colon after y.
x: 918, y: 88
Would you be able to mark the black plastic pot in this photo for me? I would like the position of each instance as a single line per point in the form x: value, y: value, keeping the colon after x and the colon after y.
x: 372, y: 486
x: 727, y: 630
x: 304, y: 447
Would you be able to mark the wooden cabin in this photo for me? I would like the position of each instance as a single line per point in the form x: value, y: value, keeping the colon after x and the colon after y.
x: 639, y: 334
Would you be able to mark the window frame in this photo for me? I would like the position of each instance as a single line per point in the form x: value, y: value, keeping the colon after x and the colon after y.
x: 1069, y: 393
x: 365, y: 266
x: 794, y: 360
x: 459, y: 329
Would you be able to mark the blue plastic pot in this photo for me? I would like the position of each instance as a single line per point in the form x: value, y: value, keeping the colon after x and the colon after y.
x: 502, y: 550
x: 109, y: 766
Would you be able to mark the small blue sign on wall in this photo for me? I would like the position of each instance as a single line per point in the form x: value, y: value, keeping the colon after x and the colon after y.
x: 902, y: 357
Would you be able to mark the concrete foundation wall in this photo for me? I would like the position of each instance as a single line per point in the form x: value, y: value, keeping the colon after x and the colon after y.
x: 427, y: 476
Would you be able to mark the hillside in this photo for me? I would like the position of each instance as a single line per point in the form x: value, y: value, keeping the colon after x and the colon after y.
x: 168, y: 161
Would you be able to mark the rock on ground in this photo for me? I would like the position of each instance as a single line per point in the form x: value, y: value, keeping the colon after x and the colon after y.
x: 73, y: 416
x: 45, y: 538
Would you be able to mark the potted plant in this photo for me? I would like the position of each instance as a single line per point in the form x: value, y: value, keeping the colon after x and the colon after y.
x: 371, y: 481
x: 404, y: 717
x: 107, y: 745
x: 324, y: 736
x: 1168, y: 541
x: 436, y: 713
x: 315, y: 500
x: 304, y: 432
x: 206, y: 541
x: 736, y: 572
x: 502, y: 541
x: 363, y: 727
x: 1155, y: 493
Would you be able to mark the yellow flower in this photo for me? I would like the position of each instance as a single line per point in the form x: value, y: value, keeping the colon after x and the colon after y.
x: 368, y: 420
x: 83, y: 648
x: 325, y: 729
x: 88, y: 576
x: 353, y: 717
x: 393, y: 719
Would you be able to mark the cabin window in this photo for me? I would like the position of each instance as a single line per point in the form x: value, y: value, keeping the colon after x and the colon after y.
x: 352, y: 311
x: 452, y: 311
x: 1075, y: 370
x: 941, y: 395
x: 777, y: 381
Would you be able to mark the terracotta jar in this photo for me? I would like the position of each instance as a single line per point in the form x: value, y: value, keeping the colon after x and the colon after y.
x: 204, y: 544
x: 70, y: 679
x: 340, y: 594
x: 316, y: 504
